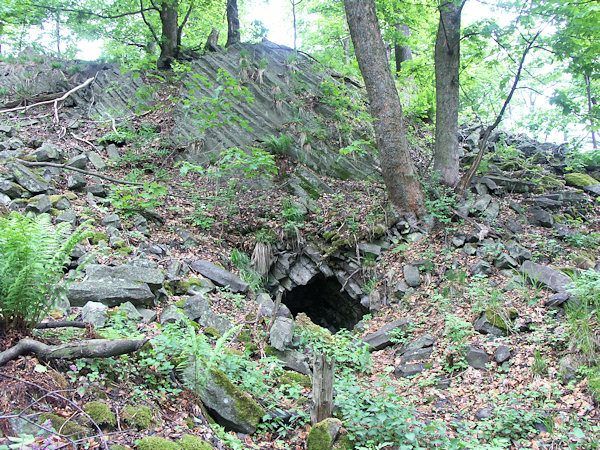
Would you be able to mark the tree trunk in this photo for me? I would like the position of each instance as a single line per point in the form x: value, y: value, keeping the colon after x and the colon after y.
x: 322, y: 394
x: 233, y: 23
x: 588, y: 89
x: 447, y: 65
x: 397, y: 168
x: 402, y: 52
x: 169, y: 48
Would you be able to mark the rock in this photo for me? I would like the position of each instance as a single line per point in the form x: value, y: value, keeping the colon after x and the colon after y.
x: 10, y: 189
x: 291, y: 359
x: 556, y: 300
x: 220, y: 276
x: 27, y: 179
x: 384, y: 337
x: 198, y: 308
x: 68, y: 216
x: 513, y: 226
x: 188, y: 239
x: 518, y: 252
x: 412, y: 275
x: 481, y: 203
x: 504, y: 261
x: 484, y: 413
x: 96, y: 161
x: 154, y: 278
x: 148, y: 315
x: 540, y: 217
x: 458, y: 240
x: 302, y: 271
x: 491, y: 212
x: 78, y: 162
x: 47, y: 152
x: 568, y: 368
x: 94, y: 313
x: 593, y: 189
x: 39, y: 204
x: 424, y: 341
x: 476, y: 357
x: 442, y: 382
x: 171, y: 314
x: 538, y: 274
x: 481, y: 267
x: 76, y: 182
x: 409, y: 370
x: 112, y: 220
x: 579, y: 180
x: 174, y: 270
x: 97, y: 190
x: 400, y: 288
x: 281, y: 333
x: 227, y: 404
x: 502, y: 354
x: 323, y: 434
x: 483, y: 326
x: 513, y: 185
x: 371, y: 249
x: 112, y: 152
x: 131, y: 311
x: 61, y: 203
x: 110, y: 292
x: 416, y: 354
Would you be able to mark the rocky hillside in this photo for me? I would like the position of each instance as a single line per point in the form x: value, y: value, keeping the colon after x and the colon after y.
x: 230, y: 243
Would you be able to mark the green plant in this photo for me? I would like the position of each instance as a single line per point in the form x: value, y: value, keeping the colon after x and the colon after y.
x: 439, y: 199
x: 540, y: 365
x: 580, y: 240
x: 33, y: 254
x: 133, y: 199
x: 457, y: 331
x: 278, y: 145
x: 199, y: 217
x: 242, y: 261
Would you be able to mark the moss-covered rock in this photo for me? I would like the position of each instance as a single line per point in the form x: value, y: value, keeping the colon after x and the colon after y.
x: 65, y: 426
x: 303, y: 321
x: 100, y: 413
x: 156, y: 443
x: 322, y: 435
x: 579, y: 180
x: 97, y: 237
x: 193, y: 285
x: 501, y: 319
x: 292, y: 378
x: 189, y: 442
x: 139, y: 417
x: 343, y: 442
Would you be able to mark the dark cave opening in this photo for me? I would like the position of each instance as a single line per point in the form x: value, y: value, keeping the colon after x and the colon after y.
x: 321, y: 300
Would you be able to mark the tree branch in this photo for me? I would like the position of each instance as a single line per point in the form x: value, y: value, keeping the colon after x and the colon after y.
x: 75, y: 169
x: 154, y: 35
x: 91, y: 13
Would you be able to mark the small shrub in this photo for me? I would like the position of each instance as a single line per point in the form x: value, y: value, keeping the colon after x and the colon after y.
x: 278, y: 145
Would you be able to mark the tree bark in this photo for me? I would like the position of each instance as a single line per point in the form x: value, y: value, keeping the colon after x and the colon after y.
x: 447, y: 66
x: 169, y: 49
x: 586, y: 78
x: 397, y: 168
x: 322, y: 394
x: 94, y: 348
x: 233, y: 23
x: 402, y: 52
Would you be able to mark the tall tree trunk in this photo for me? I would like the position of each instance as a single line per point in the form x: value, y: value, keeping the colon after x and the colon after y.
x: 57, y: 18
x: 588, y: 89
x: 233, y: 23
x: 294, y: 4
x: 447, y: 65
x: 402, y: 52
x: 169, y: 49
x: 397, y: 167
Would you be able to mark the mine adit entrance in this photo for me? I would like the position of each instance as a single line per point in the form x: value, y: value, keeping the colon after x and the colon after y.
x: 326, y: 303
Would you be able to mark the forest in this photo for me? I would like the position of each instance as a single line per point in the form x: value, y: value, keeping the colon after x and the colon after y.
x: 299, y: 224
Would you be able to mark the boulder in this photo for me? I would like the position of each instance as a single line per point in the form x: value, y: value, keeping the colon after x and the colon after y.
x: 171, y: 314
x: 281, y: 333
x: 579, y: 180
x: 538, y: 274
x: 198, y: 308
x: 69, y: 216
x: 323, y: 434
x: 27, y: 179
x: 593, y: 189
x: 94, y: 313
x: 131, y: 311
x: 408, y: 370
x: 483, y: 326
x: 76, y: 182
x: 290, y: 359
x: 47, y: 152
x: 412, y: 275
x: 385, y: 336
x: 96, y: 161
x: 39, y: 204
x: 78, y: 162
x: 111, y: 292
x: 220, y: 276
x: 154, y: 278
x: 540, y: 217
x: 476, y: 357
x: 481, y: 267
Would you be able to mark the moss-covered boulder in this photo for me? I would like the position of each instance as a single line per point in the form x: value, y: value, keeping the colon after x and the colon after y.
x: 579, y: 180
x: 100, y: 413
x: 156, y: 443
x: 65, y: 426
x: 190, y: 442
x: 322, y: 436
x: 230, y: 406
x: 138, y: 417
x: 501, y: 319
x: 294, y: 378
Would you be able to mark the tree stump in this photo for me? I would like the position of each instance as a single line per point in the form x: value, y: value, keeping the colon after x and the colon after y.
x: 322, y: 394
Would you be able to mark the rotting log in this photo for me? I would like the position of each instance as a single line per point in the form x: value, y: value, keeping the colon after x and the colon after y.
x: 92, y: 348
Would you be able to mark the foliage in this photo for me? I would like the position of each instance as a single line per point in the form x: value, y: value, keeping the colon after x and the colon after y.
x: 132, y: 199
x: 583, y: 312
x: 33, y: 254
x: 440, y: 199
x: 278, y: 145
x: 247, y: 273
x: 457, y: 330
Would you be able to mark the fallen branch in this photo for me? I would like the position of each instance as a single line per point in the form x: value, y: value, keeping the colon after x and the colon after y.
x: 76, y: 169
x: 93, y: 348
x: 55, y: 101
x: 60, y: 324
x: 85, y: 141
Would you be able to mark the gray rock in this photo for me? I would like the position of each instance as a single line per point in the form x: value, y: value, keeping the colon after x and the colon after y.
x: 62, y: 203
x: 476, y: 357
x: 198, y: 308
x: 94, y: 313
x: 97, y: 190
x: 483, y: 326
x: 293, y: 360
x: 28, y: 180
x: 131, y: 311
x: 442, y: 382
x: 458, y: 240
x: 409, y: 370
x: 469, y: 249
x: 112, y: 152
x: 491, y: 212
x: 8, y: 131
x: 141, y: 224
x: 4, y: 199
x: 482, y: 203
x: 481, y: 267
x: 79, y: 162
x: 553, y: 279
x: 502, y: 354
x: 302, y: 271
x: 513, y: 185
x: 416, y: 354
x: 540, y: 217
x: 76, y: 182
x: 504, y: 261
x: 148, y: 315
x: 593, y: 189
x: 96, y: 161
x: 518, y: 252
x: 39, y: 204
x: 220, y: 276
x: 154, y: 278
x: 47, y: 152
x: 400, y: 289
x: 484, y: 413
x: 568, y: 368
x: 188, y: 239
x: 68, y: 216
x: 265, y: 305
x: 281, y: 333
x: 370, y: 248
x: 171, y: 314
x: 174, y: 270
x: 111, y: 292
x: 329, y: 426
x: 513, y: 226
x: 424, y: 341
x: 11, y: 189
x: 412, y: 275
x: 557, y: 299
x: 385, y: 335
x: 112, y: 220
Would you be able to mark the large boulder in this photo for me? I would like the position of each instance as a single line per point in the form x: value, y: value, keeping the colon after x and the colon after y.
x: 579, y: 180
x: 27, y: 179
x: 281, y: 333
x: 154, y: 278
x: 110, y: 292
x: 386, y: 335
x: 220, y: 276
x: 538, y: 274
x: 198, y: 308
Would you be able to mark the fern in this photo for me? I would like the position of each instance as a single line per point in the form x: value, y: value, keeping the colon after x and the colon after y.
x: 33, y: 254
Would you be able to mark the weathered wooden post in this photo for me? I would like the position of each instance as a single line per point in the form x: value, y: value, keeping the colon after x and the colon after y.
x: 322, y: 394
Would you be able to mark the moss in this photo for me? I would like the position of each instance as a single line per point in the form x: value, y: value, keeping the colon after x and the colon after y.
x: 291, y: 377
x: 579, y: 180
x: 500, y: 320
x: 189, y: 423
x: 244, y: 336
x: 125, y: 250
x: 189, y: 442
x: 184, y: 286
x: 180, y: 303
x: 271, y: 351
x: 570, y: 271
x: 303, y: 321
x: 343, y: 442
x: 156, y: 443
x: 318, y: 438
x: 100, y: 413
x: 308, y: 187
x: 65, y: 426
x: 97, y: 237
x: 245, y: 405
x: 213, y: 332
x: 139, y: 417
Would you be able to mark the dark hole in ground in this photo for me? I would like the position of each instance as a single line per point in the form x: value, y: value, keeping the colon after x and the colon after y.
x: 322, y: 301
